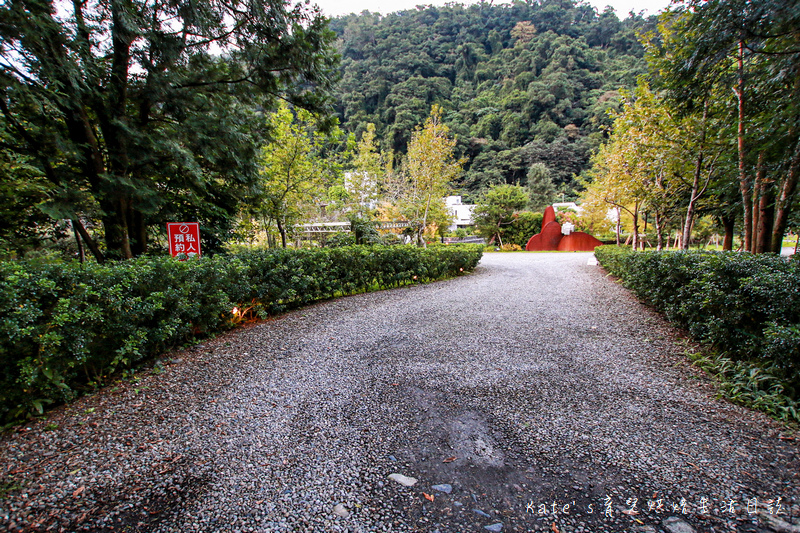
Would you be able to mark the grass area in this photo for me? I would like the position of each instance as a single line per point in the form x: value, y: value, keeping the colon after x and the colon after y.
x: 751, y: 385
x: 7, y: 486
x: 787, y: 243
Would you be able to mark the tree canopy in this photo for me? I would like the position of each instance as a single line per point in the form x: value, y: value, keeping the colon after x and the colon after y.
x: 428, y: 173
x: 295, y: 168
x: 144, y: 111
x: 519, y: 84
x: 705, y: 49
x: 496, y: 208
x: 722, y: 114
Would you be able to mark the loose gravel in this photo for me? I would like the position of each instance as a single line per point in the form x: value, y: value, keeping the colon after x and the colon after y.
x: 534, y: 394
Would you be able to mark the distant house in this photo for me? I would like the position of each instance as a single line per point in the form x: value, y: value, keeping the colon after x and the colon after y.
x: 462, y: 213
x: 564, y: 206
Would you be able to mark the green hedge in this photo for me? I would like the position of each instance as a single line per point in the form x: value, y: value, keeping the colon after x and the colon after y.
x: 745, y: 305
x: 65, y: 326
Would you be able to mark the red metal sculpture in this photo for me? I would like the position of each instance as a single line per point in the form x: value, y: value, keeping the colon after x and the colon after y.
x: 551, y: 238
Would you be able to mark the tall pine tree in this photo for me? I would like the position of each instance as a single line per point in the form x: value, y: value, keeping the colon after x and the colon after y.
x: 151, y: 110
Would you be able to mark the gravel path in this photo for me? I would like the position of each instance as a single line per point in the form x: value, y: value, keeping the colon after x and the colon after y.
x: 535, y: 393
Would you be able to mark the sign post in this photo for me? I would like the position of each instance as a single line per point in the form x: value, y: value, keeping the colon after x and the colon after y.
x: 184, y: 238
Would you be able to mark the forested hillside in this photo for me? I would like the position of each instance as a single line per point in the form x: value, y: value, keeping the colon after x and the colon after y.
x: 124, y: 130
x: 519, y: 84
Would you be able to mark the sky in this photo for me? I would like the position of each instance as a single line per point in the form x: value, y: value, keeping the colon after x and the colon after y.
x: 333, y: 8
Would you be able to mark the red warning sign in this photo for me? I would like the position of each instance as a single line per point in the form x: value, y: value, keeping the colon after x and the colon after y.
x: 184, y: 238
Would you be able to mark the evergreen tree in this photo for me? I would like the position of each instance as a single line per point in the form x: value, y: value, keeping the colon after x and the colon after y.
x: 151, y: 111
x: 541, y: 190
x: 496, y: 208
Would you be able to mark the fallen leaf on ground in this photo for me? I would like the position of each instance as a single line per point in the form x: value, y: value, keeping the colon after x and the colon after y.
x: 78, y: 491
x: 428, y: 497
x: 449, y: 459
x: 554, y: 527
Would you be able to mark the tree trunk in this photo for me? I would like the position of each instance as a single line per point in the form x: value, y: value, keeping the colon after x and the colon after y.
x: 758, y: 190
x: 659, y: 231
x: 783, y: 203
x: 112, y: 227
x: 763, y: 211
x: 123, y: 216
x: 98, y: 255
x: 81, y: 252
x: 619, y: 222
x: 282, y: 232
x: 729, y: 223
x: 635, y: 243
x: 138, y: 233
x: 114, y: 163
x: 744, y: 181
x: 766, y: 216
x: 425, y: 223
x: 695, y: 193
x: 687, y: 225
x: 115, y: 224
x: 754, y: 221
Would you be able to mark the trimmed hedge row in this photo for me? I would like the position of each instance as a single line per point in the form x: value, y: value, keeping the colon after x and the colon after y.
x: 745, y: 305
x: 63, y: 326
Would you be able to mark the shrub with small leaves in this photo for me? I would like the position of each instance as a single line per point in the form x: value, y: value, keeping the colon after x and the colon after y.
x: 744, y: 305
x: 67, y: 326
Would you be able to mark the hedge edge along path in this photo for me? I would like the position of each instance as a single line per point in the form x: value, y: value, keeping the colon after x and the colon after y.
x: 746, y: 307
x: 64, y: 326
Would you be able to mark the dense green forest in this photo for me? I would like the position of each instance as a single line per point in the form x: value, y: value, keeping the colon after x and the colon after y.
x: 118, y: 118
x: 520, y: 84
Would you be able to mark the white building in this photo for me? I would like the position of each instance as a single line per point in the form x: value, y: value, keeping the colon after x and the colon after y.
x: 462, y: 213
x: 564, y: 206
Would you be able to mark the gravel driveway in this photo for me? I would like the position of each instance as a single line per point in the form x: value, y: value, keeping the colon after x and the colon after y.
x: 534, y: 394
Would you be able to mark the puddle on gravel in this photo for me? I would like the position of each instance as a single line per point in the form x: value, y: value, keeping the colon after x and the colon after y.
x: 470, y: 440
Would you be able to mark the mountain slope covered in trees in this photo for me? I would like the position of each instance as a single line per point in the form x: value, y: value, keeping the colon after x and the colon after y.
x: 521, y: 85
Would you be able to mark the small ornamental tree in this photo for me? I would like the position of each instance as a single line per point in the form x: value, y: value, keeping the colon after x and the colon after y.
x: 294, y: 167
x: 495, y: 209
x: 429, y: 170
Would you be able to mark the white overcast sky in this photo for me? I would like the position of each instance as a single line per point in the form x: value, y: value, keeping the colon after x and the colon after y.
x: 333, y: 8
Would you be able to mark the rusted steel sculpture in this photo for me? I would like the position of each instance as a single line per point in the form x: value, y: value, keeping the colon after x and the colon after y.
x: 551, y: 237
